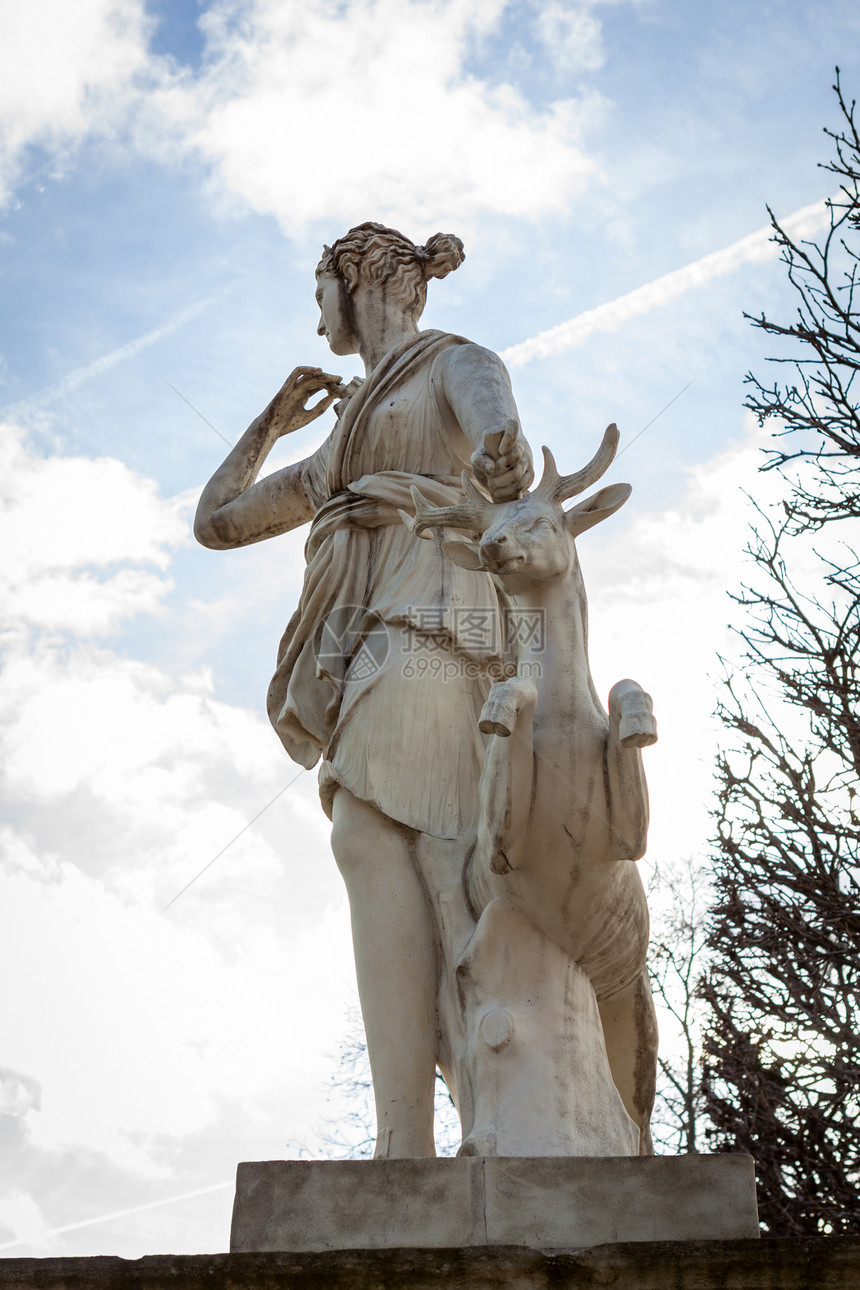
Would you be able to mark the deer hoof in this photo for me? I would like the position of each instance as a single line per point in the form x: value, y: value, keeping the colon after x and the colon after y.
x: 507, y: 699
x: 633, y: 708
x: 478, y: 1144
x: 637, y: 730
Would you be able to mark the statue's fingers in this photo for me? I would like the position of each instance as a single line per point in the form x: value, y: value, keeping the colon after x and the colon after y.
x: 506, y: 486
x: 511, y: 458
x: 325, y: 402
x: 506, y: 476
x: 509, y: 438
x: 502, y: 465
x: 319, y: 381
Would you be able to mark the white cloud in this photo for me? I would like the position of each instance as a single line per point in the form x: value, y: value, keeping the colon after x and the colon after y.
x: 317, y: 110
x: 21, y: 1218
x: 20, y: 1214
x: 129, y: 1035
x: 614, y: 313
x: 113, y: 986
x: 69, y: 529
x: 64, y: 68
x: 124, y: 784
x: 307, y: 111
x: 572, y: 36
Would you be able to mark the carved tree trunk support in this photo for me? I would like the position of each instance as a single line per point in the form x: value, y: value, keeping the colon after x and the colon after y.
x: 535, y: 1060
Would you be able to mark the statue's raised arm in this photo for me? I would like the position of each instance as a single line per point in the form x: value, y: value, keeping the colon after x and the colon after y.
x: 478, y: 391
x: 234, y: 510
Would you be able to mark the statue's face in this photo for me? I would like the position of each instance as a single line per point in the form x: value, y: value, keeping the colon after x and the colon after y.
x: 332, y: 298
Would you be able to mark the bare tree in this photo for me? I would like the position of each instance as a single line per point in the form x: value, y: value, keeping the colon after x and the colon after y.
x: 350, y: 1134
x: 817, y: 409
x: 782, y: 1068
x: 676, y: 962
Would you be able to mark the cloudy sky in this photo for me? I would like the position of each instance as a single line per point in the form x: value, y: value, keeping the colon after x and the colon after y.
x: 168, y: 174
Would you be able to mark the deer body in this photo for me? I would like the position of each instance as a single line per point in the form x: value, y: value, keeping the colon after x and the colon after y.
x: 564, y: 807
x: 563, y: 799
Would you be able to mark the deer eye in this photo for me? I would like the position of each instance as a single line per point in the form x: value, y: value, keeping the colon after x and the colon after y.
x: 536, y: 525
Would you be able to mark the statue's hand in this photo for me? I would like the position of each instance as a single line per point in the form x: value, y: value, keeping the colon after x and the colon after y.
x: 502, y: 464
x: 289, y: 411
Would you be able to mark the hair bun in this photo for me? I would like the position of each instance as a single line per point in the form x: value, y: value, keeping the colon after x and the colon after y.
x: 442, y: 255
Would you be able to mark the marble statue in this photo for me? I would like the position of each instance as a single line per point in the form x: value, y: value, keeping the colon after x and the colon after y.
x: 487, y: 813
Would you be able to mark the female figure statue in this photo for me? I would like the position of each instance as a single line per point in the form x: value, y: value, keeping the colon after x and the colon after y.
x: 385, y: 666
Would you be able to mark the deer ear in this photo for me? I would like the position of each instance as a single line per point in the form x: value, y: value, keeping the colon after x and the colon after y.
x: 594, y: 509
x: 462, y: 552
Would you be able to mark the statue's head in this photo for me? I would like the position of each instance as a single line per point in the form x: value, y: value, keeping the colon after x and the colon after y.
x: 381, y: 257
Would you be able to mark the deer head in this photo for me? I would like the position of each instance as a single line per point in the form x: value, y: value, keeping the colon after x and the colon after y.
x: 530, y: 538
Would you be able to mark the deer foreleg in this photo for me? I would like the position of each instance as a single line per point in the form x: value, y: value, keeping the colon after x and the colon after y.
x: 630, y: 1032
x: 505, y: 791
x: 631, y: 728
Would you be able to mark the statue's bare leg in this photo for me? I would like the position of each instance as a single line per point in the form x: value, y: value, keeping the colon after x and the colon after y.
x: 630, y: 1030
x: 395, y: 959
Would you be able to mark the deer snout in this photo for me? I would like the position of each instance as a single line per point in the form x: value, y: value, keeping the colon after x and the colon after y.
x: 494, y: 550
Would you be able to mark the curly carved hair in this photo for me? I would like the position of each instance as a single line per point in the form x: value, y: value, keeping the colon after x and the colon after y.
x: 375, y: 254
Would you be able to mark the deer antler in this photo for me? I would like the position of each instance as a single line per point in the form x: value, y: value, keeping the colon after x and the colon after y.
x: 557, y: 488
x: 474, y: 514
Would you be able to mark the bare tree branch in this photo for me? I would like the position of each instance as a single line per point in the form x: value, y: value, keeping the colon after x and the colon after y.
x: 782, y: 1049
x: 676, y: 964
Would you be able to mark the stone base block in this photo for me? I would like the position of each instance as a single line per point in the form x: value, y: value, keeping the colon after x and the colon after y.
x: 823, y: 1263
x: 545, y: 1203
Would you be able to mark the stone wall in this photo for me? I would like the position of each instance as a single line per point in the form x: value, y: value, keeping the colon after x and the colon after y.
x: 823, y: 1264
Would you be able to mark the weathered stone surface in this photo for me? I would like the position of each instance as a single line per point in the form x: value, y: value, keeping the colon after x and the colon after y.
x: 487, y: 810
x: 357, y: 1204
x: 822, y: 1264
x: 532, y: 1021
x: 550, y: 1203
x: 544, y: 1203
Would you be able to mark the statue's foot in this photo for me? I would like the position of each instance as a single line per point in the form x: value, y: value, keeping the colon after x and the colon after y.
x: 382, y: 1150
x: 404, y: 1144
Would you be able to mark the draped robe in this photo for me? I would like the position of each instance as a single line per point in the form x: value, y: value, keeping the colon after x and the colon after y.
x: 385, y: 665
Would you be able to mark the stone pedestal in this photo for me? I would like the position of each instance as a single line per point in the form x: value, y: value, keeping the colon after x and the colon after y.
x: 544, y: 1203
x: 824, y: 1263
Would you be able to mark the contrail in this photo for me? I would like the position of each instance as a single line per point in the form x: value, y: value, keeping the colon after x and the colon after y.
x: 107, y: 361
x: 610, y: 316
x: 119, y: 1213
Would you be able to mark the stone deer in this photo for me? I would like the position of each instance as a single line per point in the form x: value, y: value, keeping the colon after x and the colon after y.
x: 563, y: 801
